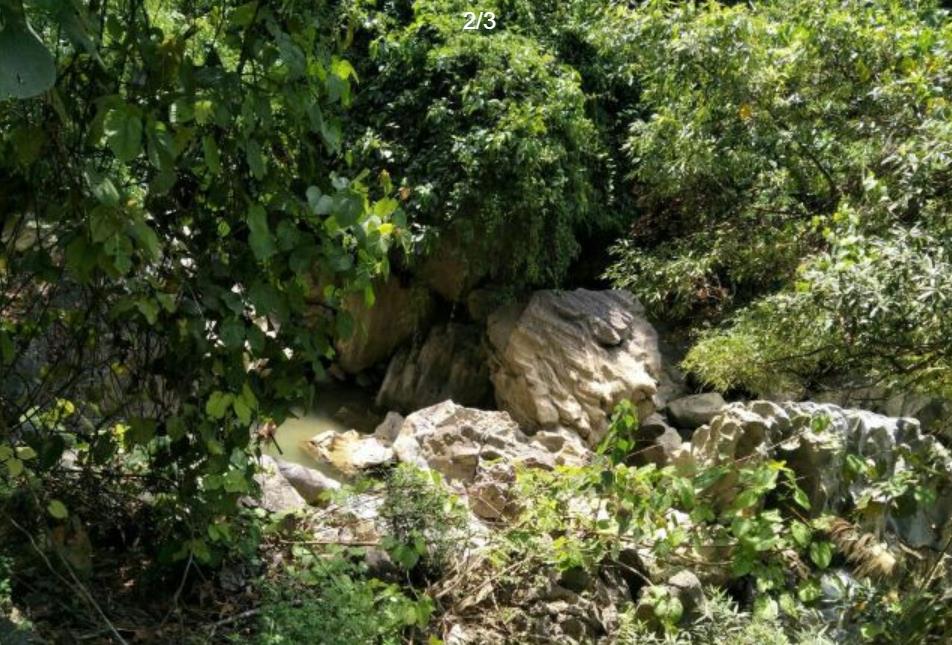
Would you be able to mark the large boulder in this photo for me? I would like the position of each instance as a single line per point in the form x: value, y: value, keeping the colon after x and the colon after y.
x: 450, y: 364
x: 816, y: 441
x: 478, y: 451
x: 397, y: 313
x: 565, y: 359
x: 460, y: 442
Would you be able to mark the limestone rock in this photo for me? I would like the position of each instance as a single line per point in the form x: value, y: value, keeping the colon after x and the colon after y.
x: 450, y: 364
x: 397, y: 313
x: 691, y: 412
x: 459, y: 442
x: 277, y: 494
x: 389, y: 428
x: 814, y: 440
x: 347, y: 452
x: 567, y: 358
x: 478, y: 451
x: 310, y: 483
x: 657, y: 442
x: 450, y: 270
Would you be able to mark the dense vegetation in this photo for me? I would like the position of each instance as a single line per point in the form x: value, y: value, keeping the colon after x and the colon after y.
x: 191, y: 190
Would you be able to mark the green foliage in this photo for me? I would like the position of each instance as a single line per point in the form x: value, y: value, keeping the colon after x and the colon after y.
x: 490, y: 132
x: 870, y: 306
x: 802, y: 150
x: 177, y: 240
x: 325, y: 598
x: 747, y: 522
x: 427, y: 524
x: 721, y: 621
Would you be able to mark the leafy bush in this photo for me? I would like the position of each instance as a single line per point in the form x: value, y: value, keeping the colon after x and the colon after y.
x: 776, y: 142
x: 176, y: 243
x: 327, y: 599
x: 870, y: 307
x: 490, y: 131
x: 720, y: 621
x: 426, y: 523
x: 747, y: 523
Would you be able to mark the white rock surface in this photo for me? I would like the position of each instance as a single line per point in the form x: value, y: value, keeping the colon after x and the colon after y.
x: 565, y: 359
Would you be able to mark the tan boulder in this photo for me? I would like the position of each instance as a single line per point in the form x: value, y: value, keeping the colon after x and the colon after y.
x: 565, y: 359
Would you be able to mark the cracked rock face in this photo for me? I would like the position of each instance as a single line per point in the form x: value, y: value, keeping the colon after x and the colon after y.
x: 565, y: 359
x: 814, y: 440
x: 461, y: 442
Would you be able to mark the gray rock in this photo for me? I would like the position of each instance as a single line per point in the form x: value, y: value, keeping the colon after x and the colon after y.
x: 277, y: 494
x: 459, y: 442
x: 389, y: 428
x: 310, y: 483
x: 815, y: 440
x: 691, y: 412
x: 450, y: 364
x: 565, y: 359
x: 687, y: 588
x: 657, y: 442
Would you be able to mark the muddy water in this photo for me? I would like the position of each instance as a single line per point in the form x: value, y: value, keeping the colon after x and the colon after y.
x: 336, y: 408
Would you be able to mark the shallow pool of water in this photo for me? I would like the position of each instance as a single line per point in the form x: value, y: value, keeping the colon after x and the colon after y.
x: 336, y: 408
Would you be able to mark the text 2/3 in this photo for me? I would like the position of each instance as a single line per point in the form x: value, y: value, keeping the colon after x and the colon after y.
x: 483, y: 19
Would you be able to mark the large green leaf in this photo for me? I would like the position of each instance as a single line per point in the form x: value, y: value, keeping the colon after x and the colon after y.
x: 26, y: 65
x: 123, y: 130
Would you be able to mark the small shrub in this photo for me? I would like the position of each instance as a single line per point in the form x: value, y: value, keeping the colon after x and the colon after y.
x: 426, y: 522
x: 327, y: 599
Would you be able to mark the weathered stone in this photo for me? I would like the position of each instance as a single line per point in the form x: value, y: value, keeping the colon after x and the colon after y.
x: 933, y: 413
x: 450, y: 364
x: 277, y: 494
x: 815, y: 440
x: 687, y: 588
x: 310, y: 483
x: 389, y: 428
x: 481, y: 303
x: 691, y: 412
x: 459, y: 441
x: 347, y: 452
x: 566, y: 359
x: 656, y: 442
x: 398, y: 312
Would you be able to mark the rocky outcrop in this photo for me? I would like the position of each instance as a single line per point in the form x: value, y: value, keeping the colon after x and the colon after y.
x: 815, y: 440
x: 933, y: 413
x: 462, y: 442
x: 691, y: 412
x: 449, y: 270
x: 450, y: 364
x: 396, y: 314
x: 479, y: 450
x: 566, y: 359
